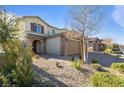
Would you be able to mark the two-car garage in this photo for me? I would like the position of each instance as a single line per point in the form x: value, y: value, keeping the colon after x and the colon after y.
x: 54, y: 46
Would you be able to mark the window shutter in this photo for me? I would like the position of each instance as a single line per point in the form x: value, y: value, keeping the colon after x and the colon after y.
x: 42, y: 31
x: 32, y: 27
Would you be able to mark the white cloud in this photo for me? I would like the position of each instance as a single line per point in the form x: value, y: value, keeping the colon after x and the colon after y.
x: 118, y: 15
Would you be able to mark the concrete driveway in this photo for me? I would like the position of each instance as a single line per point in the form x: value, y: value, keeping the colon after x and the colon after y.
x: 105, y: 60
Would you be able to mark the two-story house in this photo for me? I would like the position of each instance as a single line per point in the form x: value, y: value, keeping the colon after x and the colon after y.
x: 45, y: 38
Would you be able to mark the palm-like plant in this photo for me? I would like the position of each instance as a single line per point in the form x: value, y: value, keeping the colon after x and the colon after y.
x: 7, y: 27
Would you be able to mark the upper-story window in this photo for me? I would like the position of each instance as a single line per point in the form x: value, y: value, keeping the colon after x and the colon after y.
x: 53, y: 31
x: 37, y: 28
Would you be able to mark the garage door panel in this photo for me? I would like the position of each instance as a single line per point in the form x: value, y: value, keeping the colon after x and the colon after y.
x: 53, y: 46
x: 73, y: 47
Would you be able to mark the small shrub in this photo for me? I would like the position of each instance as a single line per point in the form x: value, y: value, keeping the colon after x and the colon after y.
x: 117, y: 52
x: 105, y: 79
x: 37, y: 57
x: 72, y: 59
x: 114, y: 52
x: 118, y: 55
x: 23, y: 74
x: 96, y: 66
x: 58, y: 65
x: 9, y: 63
x: 2, y: 58
x: 118, y: 66
x: 108, y: 51
x: 94, y: 61
x: 4, y: 81
x: 77, y: 64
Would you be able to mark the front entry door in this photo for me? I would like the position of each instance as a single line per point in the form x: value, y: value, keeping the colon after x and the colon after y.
x: 37, y: 46
x: 34, y: 46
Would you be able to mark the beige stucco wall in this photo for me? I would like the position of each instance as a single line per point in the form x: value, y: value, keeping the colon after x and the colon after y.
x: 21, y: 27
x: 50, y: 29
x: 25, y: 24
x: 28, y: 22
x: 53, y: 46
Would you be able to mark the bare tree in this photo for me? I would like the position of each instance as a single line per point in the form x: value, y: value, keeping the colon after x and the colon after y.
x: 87, y: 20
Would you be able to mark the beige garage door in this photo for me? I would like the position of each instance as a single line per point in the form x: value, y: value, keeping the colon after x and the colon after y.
x: 53, y: 46
x: 73, y: 47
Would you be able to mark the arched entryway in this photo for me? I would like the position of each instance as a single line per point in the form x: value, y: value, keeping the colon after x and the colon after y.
x: 37, y: 46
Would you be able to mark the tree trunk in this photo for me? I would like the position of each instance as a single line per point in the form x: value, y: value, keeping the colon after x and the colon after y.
x: 81, y: 51
x: 84, y: 56
x: 87, y: 51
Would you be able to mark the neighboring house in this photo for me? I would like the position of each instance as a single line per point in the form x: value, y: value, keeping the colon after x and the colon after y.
x: 45, y: 38
x: 96, y: 44
x: 107, y: 42
x: 121, y: 48
x: 91, y: 44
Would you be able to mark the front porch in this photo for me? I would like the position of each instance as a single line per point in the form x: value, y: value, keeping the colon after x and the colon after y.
x: 37, y: 43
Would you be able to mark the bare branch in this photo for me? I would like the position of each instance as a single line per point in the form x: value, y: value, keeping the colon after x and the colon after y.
x: 86, y: 19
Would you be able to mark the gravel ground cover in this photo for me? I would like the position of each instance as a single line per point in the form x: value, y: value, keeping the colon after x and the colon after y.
x: 65, y: 75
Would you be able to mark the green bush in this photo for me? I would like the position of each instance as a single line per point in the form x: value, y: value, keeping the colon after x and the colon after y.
x: 94, y: 61
x: 72, y: 59
x: 37, y: 57
x: 108, y: 51
x: 118, y: 66
x: 118, y: 55
x: 19, y: 73
x: 77, y: 64
x: 16, y: 69
x: 105, y: 79
x: 114, y: 52
x: 96, y: 66
x: 5, y: 80
x: 2, y: 58
x: 11, y: 49
x: 23, y: 74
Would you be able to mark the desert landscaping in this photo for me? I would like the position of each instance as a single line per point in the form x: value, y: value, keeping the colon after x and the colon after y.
x: 34, y: 53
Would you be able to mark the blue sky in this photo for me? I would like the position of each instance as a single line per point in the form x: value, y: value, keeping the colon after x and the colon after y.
x: 113, y: 26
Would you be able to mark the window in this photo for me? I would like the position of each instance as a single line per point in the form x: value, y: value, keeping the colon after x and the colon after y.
x: 53, y: 31
x: 42, y: 29
x: 37, y: 28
